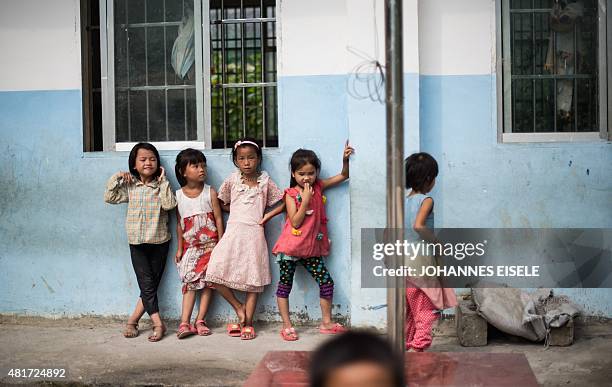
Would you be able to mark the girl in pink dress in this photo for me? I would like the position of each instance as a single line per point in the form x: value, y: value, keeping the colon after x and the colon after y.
x: 240, y: 260
x: 304, y: 238
x: 199, y: 226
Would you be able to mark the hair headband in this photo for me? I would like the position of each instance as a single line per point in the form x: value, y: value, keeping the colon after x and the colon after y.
x: 246, y: 142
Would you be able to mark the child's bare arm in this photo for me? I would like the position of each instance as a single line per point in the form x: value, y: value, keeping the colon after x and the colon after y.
x: 419, y: 223
x: 217, y: 211
x: 344, y: 174
x: 280, y: 207
x: 297, y: 216
x: 179, y: 237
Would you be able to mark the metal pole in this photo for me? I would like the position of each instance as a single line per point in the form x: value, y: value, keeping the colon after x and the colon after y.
x: 396, y: 291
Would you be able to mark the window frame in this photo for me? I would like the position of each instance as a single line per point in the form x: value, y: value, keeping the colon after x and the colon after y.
x: 202, y: 81
x: 504, y: 89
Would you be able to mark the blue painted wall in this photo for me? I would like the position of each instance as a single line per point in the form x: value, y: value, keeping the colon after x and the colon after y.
x: 483, y: 183
x: 63, y: 251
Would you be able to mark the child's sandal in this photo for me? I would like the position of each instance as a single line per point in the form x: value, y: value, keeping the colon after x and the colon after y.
x: 158, y: 333
x: 185, y: 330
x: 131, y: 330
x: 233, y: 330
x: 289, y: 334
x: 202, y: 329
x: 247, y: 333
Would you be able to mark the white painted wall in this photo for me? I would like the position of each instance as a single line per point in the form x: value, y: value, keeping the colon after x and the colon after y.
x: 40, y: 45
x: 457, y: 37
x: 315, y: 35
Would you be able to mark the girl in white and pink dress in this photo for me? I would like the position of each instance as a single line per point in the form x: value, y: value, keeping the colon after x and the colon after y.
x: 240, y: 260
x: 199, y: 226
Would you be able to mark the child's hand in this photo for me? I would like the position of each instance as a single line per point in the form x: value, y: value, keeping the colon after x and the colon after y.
x: 264, y: 220
x: 348, y: 151
x: 307, y: 194
x: 126, y: 177
x: 178, y: 256
x: 162, y: 174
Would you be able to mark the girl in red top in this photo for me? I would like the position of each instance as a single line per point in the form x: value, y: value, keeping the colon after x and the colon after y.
x: 304, y: 237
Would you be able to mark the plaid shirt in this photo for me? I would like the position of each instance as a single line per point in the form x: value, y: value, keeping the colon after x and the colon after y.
x: 148, y: 206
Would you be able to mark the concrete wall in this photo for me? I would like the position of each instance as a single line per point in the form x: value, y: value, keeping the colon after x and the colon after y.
x: 64, y: 252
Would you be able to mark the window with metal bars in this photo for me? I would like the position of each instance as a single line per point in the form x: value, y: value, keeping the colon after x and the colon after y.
x: 554, y: 69
x: 162, y: 79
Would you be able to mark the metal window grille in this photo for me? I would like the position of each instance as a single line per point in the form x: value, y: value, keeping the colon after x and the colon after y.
x: 243, y: 71
x: 152, y: 102
x: 550, y: 78
x: 228, y: 92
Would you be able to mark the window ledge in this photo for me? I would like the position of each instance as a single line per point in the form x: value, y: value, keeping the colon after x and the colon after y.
x: 551, y: 137
x: 163, y: 145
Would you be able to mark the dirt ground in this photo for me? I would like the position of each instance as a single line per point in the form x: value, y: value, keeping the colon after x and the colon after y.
x: 93, y: 352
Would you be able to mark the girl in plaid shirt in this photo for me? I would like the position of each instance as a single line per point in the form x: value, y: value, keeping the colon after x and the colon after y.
x: 149, y: 197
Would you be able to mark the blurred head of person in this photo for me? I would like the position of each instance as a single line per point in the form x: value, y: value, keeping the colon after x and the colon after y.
x: 356, y: 359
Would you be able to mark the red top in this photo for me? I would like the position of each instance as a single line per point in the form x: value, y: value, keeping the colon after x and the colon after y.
x: 310, y: 239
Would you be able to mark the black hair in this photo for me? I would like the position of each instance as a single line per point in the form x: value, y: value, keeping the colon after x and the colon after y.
x: 354, y: 347
x: 421, y: 168
x: 183, y: 159
x: 257, y: 149
x: 301, y: 157
x: 134, y: 153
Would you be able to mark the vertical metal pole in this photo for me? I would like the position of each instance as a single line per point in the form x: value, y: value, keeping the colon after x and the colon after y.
x: 396, y: 291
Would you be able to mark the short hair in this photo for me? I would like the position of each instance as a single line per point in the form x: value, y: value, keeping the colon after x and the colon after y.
x: 421, y: 168
x: 249, y: 139
x: 354, y: 347
x: 183, y: 159
x: 301, y: 157
x: 134, y: 153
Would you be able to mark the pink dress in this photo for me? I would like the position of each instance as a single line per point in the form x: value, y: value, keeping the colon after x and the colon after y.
x: 240, y: 260
x: 310, y: 239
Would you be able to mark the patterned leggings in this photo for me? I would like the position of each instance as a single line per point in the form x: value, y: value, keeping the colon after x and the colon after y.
x: 420, y: 317
x: 315, y: 266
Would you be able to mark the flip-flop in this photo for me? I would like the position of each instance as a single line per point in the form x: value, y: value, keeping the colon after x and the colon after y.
x: 155, y: 337
x: 336, y: 329
x: 289, y: 334
x: 247, y: 330
x: 130, y: 333
x: 233, y: 330
x: 202, y: 329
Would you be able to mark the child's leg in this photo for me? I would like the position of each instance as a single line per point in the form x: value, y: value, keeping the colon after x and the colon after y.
x: 149, y: 262
x: 188, y: 302
x: 205, y: 299
x: 250, y: 306
x: 409, y: 327
x: 131, y: 327
x: 424, y: 315
x: 229, y: 296
x: 200, y: 324
x: 287, y: 271
x: 137, y: 313
x: 316, y: 267
x: 248, y: 332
